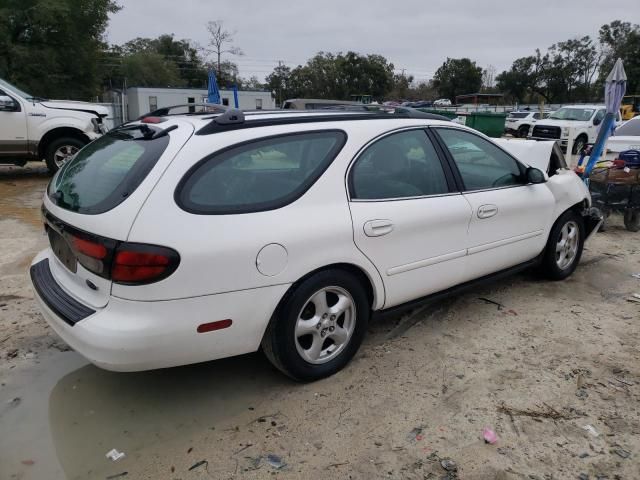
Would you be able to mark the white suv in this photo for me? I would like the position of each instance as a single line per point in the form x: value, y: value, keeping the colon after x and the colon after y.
x: 51, y: 130
x: 183, y: 239
x: 584, y: 119
x: 519, y: 124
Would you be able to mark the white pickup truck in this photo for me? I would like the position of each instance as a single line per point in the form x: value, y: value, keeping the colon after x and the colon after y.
x: 33, y: 128
x: 585, y: 121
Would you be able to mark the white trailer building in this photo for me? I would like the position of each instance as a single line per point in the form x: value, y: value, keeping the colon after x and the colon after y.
x: 141, y: 100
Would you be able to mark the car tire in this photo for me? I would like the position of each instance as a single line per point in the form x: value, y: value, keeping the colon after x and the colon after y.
x: 632, y: 220
x: 58, y: 148
x: 563, y: 250
x: 304, y: 339
x: 523, y: 131
x: 579, y: 144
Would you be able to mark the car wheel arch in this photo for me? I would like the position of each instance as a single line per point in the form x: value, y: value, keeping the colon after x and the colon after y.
x: 56, y: 133
x: 374, y: 295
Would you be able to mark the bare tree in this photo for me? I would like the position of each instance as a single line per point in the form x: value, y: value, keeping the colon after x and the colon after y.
x: 222, y: 41
x: 488, y: 77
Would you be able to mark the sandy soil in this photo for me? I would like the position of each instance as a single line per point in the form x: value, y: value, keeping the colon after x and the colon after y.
x: 537, y: 369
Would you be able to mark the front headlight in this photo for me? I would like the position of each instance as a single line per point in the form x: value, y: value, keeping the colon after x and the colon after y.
x: 98, y: 127
x: 565, y: 131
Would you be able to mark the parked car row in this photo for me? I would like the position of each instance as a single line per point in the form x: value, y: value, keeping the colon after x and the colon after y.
x: 584, y: 120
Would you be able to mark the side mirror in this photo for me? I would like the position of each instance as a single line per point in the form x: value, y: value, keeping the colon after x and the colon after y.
x: 597, y: 121
x: 535, y: 176
x: 7, y: 104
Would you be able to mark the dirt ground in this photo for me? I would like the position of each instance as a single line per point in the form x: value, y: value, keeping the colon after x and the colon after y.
x: 552, y: 368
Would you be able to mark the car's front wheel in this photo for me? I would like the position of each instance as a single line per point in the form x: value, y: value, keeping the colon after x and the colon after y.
x: 319, y: 326
x: 564, y: 246
x: 61, y: 150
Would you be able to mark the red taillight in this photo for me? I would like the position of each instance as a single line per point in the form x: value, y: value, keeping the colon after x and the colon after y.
x: 138, y: 264
x: 89, y: 248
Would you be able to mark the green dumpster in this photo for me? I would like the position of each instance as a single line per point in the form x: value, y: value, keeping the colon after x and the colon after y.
x: 445, y: 113
x: 491, y: 124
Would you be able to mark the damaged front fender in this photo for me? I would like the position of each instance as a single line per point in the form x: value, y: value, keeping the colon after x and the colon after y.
x: 593, y: 218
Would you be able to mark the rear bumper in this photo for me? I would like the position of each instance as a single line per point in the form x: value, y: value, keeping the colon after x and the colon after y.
x: 130, y: 335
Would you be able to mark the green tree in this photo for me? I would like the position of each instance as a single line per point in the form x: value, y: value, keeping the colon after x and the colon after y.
x: 401, y: 87
x: 334, y: 76
x: 52, y: 47
x: 178, y: 55
x: 279, y: 82
x: 521, y: 79
x: 620, y: 40
x: 457, y: 76
x: 148, y: 69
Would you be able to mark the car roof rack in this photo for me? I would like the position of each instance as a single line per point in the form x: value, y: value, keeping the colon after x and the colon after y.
x: 206, y: 109
x: 236, y: 119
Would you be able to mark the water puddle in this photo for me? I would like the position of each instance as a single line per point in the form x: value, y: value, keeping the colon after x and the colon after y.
x: 59, y: 418
x: 21, y: 191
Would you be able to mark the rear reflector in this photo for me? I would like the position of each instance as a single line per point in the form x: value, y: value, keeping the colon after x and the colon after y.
x: 212, y: 326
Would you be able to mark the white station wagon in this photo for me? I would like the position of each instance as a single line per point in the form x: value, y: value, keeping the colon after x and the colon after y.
x: 183, y: 239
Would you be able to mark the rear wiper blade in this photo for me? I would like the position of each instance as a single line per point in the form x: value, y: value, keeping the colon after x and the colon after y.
x: 147, y: 132
x: 164, y: 132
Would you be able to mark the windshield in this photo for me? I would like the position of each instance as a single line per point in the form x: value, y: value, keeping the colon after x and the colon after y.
x: 17, y: 91
x: 573, y: 113
x: 108, y: 170
x: 629, y: 129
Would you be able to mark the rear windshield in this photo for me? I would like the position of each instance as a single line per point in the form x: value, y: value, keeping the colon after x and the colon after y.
x: 518, y: 114
x: 261, y: 175
x: 105, y: 172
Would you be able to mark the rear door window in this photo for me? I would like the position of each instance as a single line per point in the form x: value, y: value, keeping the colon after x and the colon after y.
x: 105, y: 172
x: 259, y: 175
x: 400, y: 165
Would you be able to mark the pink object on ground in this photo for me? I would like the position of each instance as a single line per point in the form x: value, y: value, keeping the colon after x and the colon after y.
x: 489, y: 435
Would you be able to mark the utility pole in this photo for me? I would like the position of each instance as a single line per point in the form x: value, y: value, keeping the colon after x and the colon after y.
x: 279, y: 94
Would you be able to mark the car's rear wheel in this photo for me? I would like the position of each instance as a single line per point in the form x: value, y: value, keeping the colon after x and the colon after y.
x: 564, y: 246
x: 319, y: 326
x: 60, y: 150
x: 632, y: 219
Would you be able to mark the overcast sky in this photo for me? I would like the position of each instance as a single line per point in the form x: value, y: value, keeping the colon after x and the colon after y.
x: 416, y: 35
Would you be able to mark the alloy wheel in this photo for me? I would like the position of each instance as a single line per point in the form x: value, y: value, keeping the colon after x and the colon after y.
x: 325, y: 325
x: 567, y: 245
x: 64, y: 153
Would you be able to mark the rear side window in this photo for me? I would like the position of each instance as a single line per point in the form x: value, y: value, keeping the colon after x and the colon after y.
x: 260, y: 175
x: 105, y: 172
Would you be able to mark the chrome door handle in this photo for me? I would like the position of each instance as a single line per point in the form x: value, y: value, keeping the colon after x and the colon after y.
x: 487, y: 211
x: 377, y: 228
